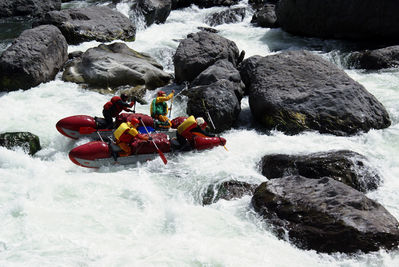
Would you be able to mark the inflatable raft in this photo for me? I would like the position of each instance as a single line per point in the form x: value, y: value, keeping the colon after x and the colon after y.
x: 99, y: 153
x: 79, y: 126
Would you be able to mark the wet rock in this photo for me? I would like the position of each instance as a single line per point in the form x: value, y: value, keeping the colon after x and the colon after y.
x: 98, y: 23
x: 266, y: 17
x: 33, y: 8
x: 325, y: 215
x: 27, y: 141
x: 154, y: 11
x: 222, y: 69
x: 227, y: 190
x: 382, y: 58
x: 116, y: 65
x: 340, y: 19
x: 199, y: 51
x: 36, y: 56
x: 231, y: 15
x: 295, y: 91
x: 345, y: 166
x: 217, y: 99
x: 212, y: 3
x: 176, y: 4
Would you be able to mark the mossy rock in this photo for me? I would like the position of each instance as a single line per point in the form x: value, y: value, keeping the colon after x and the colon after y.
x: 29, y: 142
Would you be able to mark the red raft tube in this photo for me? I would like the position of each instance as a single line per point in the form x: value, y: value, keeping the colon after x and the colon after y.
x: 79, y: 126
x: 97, y: 153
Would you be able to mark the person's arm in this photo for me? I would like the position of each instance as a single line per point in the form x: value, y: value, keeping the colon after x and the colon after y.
x: 143, y: 137
x: 125, y: 105
x: 198, y: 131
x: 165, y: 98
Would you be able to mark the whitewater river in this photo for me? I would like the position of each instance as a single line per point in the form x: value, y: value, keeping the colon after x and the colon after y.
x: 55, y: 213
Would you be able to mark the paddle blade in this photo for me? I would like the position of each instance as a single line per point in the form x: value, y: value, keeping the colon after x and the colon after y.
x: 86, y: 130
x: 162, y: 156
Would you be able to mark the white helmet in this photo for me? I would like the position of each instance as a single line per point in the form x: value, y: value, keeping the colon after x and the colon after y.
x: 200, y: 121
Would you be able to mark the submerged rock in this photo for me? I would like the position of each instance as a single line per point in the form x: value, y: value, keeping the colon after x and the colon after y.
x: 29, y: 142
x: 227, y: 190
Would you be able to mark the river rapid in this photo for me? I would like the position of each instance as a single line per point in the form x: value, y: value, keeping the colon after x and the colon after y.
x: 55, y: 213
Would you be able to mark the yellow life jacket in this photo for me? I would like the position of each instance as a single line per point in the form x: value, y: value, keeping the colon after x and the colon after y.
x: 120, y: 130
x: 188, y: 124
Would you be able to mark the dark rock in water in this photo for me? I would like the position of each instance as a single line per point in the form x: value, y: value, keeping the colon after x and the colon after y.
x: 34, y: 8
x: 154, y: 11
x: 207, y: 29
x: 232, y: 15
x: 116, y: 65
x: 36, y: 56
x: 382, y: 58
x: 222, y: 69
x: 27, y: 141
x: 296, y: 91
x: 199, y: 51
x: 325, y: 215
x: 212, y: 3
x: 176, y: 4
x: 266, y: 17
x: 345, y: 166
x: 218, y: 100
x: 340, y: 19
x: 227, y: 190
x: 98, y: 23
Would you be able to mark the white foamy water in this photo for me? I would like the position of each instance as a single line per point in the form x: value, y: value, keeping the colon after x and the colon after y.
x: 54, y: 213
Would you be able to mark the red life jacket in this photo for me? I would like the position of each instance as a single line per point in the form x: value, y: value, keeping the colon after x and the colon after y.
x: 113, y: 105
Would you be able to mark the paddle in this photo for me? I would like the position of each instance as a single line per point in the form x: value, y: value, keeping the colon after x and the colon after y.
x: 210, y: 119
x: 159, y: 151
x: 171, y: 101
x: 89, y: 130
x: 171, y: 104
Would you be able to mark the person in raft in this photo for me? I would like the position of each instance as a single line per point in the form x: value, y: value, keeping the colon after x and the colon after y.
x: 126, y: 133
x: 159, y: 110
x: 188, y: 130
x: 115, y: 106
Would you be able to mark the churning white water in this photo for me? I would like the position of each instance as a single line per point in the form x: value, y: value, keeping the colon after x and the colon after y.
x: 55, y: 213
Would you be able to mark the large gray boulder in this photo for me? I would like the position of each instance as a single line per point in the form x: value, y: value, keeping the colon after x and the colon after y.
x: 199, y: 51
x: 98, y: 23
x: 34, y: 8
x: 218, y: 100
x: 296, y: 91
x: 325, y: 215
x: 36, y: 56
x: 221, y: 70
x: 340, y: 19
x: 116, y: 65
x: 345, y: 166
